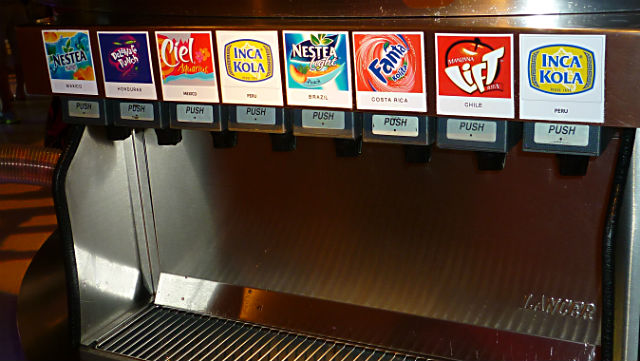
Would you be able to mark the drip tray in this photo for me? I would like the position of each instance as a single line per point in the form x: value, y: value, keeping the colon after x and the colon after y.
x: 162, y: 334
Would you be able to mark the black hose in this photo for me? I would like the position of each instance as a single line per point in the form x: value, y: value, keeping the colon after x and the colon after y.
x: 608, y: 241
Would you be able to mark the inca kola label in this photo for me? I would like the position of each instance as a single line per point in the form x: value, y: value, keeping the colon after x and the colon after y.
x: 562, y: 77
x: 561, y: 69
x: 248, y: 60
x: 250, y: 67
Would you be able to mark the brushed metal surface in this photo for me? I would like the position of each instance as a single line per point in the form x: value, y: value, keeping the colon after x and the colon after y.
x: 627, y: 278
x: 42, y: 306
x: 442, y: 240
x: 103, y: 231
x: 168, y: 334
x: 374, y: 327
x: 337, y: 8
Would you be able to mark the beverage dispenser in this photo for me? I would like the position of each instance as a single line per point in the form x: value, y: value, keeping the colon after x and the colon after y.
x: 399, y: 180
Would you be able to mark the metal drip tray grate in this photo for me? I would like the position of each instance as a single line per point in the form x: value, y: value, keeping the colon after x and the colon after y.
x: 164, y: 334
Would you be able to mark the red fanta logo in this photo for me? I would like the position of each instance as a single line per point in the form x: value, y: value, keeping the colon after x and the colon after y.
x: 474, y: 66
x: 388, y: 62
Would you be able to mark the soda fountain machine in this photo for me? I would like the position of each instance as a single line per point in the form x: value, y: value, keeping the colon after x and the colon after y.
x: 267, y: 180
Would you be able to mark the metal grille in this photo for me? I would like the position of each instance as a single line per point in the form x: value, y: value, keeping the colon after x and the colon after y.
x: 163, y: 334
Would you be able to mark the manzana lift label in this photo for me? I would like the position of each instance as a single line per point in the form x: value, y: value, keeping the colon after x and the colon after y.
x: 70, y: 62
x: 126, y: 65
x: 318, y: 70
x: 474, y: 75
x: 389, y: 71
x: 250, y: 67
x: 562, y: 77
x: 186, y: 66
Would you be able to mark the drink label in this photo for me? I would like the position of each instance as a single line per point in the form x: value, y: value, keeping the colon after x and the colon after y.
x: 250, y: 67
x: 256, y: 115
x: 70, y: 62
x: 474, y: 75
x: 561, y: 134
x: 194, y: 113
x: 562, y: 77
x: 389, y: 71
x: 394, y: 125
x: 136, y: 111
x: 84, y: 109
x: 472, y: 130
x: 318, y: 69
x: 126, y: 64
x: 322, y: 119
x: 186, y: 66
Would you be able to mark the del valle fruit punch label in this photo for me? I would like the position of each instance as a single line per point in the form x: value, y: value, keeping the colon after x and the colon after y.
x: 68, y: 54
x: 126, y: 64
x: 389, y: 71
x: 474, y: 75
x: 562, y: 77
x: 186, y: 66
x: 250, y: 67
x: 318, y: 68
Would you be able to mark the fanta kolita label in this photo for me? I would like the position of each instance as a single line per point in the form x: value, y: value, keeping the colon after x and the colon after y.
x: 562, y: 77
x: 249, y: 67
x: 389, y: 71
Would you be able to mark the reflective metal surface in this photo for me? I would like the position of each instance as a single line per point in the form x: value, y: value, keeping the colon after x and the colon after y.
x: 42, y: 306
x: 337, y: 8
x: 104, y: 237
x: 159, y: 333
x: 627, y: 282
x: 375, y: 327
x: 442, y: 241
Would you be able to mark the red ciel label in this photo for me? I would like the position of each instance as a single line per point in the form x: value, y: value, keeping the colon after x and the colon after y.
x: 474, y: 66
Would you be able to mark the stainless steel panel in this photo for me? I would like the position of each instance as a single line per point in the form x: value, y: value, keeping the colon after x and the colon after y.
x: 386, y: 329
x: 188, y: 336
x: 337, y: 8
x: 627, y: 268
x: 442, y: 241
x: 97, y: 189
